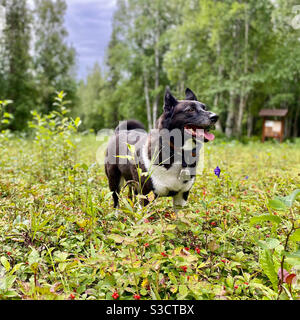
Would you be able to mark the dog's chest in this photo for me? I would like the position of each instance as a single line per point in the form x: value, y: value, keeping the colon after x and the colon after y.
x: 166, y: 180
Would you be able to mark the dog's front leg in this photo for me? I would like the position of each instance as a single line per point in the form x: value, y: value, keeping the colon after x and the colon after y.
x: 179, y: 201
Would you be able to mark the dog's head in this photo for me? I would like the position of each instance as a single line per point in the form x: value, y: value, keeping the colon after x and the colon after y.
x: 189, y: 115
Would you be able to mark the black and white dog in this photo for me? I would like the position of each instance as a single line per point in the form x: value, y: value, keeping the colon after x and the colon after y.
x: 165, y: 160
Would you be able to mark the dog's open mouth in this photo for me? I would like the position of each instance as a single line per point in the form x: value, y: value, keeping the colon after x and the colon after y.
x: 199, y: 132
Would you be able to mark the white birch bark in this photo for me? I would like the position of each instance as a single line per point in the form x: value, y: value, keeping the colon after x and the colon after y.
x: 243, y: 95
x: 148, y: 106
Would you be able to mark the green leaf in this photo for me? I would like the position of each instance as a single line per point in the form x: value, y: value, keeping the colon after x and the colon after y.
x: 77, y: 122
x: 293, y: 258
x: 295, y: 236
x: 290, y: 199
x: 107, y: 196
x: 269, y: 243
x: 60, y: 256
x: 16, y: 268
x: 139, y: 172
x: 131, y: 148
x: 93, y: 254
x: 295, y: 254
x: 7, y: 282
x: 183, y: 292
x: 85, y: 167
x: 7, y: 115
x: 34, y: 257
x: 173, y: 278
x: 5, y: 102
x: 125, y: 157
x: 277, y: 204
x: 116, y: 238
x: 229, y: 281
x: 62, y: 266
x: 5, y: 263
x: 267, y: 264
x: 264, y: 218
x: 61, y: 95
x: 143, y: 292
x: 127, y: 205
x: 10, y: 294
x: 154, y: 293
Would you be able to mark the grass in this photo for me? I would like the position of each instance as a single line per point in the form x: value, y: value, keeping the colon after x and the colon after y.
x: 61, y: 239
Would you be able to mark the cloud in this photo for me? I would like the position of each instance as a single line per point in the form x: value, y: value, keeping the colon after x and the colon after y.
x: 99, y: 3
x: 89, y: 23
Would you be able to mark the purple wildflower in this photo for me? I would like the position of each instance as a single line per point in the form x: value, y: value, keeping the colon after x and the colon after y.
x: 217, y: 172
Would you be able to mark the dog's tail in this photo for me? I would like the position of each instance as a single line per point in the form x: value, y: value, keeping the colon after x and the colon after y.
x: 130, y: 125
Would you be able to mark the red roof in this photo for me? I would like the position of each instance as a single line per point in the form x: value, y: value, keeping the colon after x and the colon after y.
x: 273, y: 112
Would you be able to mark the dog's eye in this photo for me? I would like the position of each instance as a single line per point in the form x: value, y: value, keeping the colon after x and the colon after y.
x: 204, y: 107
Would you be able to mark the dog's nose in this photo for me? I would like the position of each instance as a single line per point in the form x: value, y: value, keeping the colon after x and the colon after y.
x: 213, y: 118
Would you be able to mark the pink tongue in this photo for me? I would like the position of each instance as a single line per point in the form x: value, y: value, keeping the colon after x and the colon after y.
x: 209, y: 136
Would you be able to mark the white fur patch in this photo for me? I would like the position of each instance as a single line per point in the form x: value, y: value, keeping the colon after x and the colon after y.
x: 164, y: 180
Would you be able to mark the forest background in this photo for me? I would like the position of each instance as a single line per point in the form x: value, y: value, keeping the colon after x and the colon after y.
x: 237, y: 56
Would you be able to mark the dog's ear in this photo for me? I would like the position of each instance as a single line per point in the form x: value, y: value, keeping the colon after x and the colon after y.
x: 170, y: 101
x: 190, y: 95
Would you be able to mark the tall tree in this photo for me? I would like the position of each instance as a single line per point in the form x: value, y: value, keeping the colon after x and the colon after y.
x: 220, y: 50
x: 284, y: 89
x: 2, y: 49
x: 89, y: 95
x: 122, y: 95
x: 54, y: 57
x: 17, y: 63
x: 137, y: 50
x: 148, y: 36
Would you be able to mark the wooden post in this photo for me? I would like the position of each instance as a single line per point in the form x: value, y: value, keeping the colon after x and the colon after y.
x: 263, y: 130
x: 282, y: 129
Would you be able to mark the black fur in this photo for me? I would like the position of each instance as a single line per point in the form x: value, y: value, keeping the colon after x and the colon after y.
x: 185, y: 195
x: 130, y: 125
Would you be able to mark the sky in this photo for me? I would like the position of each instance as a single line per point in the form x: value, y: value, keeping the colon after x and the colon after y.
x: 89, y: 23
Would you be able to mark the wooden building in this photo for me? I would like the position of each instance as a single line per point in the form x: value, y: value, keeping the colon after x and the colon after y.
x: 273, y: 123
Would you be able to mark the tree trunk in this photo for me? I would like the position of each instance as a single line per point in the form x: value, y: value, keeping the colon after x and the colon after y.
x: 156, y: 86
x: 288, y: 127
x: 218, y: 124
x: 295, y: 129
x: 157, y: 65
x: 217, y: 96
x: 249, y: 125
x: 146, y: 90
x: 243, y: 96
x: 230, y: 116
x: 242, y: 107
